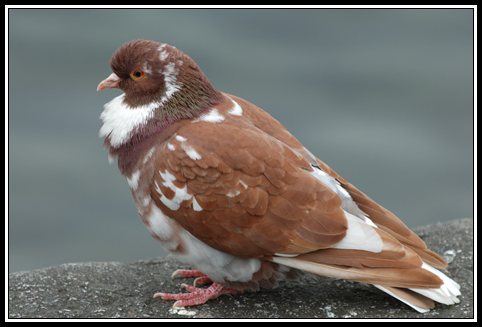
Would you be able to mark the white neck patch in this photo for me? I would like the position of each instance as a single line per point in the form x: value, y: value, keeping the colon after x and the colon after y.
x: 120, y: 119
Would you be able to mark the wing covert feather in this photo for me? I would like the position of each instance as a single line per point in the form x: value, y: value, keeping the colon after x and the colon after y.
x: 252, y: 200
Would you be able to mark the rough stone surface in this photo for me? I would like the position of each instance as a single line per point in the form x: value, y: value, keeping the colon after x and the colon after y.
x: 124, y: 290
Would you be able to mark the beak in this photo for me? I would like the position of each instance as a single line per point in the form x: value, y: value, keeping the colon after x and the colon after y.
x: 110, y: 82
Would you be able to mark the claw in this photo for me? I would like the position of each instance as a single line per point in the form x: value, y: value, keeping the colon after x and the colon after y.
x: 202, y: 280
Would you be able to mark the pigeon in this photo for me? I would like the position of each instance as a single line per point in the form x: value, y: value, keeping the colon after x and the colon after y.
x: 230, y: 192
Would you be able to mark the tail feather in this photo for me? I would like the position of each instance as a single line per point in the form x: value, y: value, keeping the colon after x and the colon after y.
x: 422, y: 299
x: 394, y: 259
x: 417, y: 287
x: 429, y: 257
x: 448, y: 291
x: 415, y: 300
x: 396, y: 277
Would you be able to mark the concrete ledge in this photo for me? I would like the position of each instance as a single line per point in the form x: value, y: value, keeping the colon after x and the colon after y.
x: 124, y: 290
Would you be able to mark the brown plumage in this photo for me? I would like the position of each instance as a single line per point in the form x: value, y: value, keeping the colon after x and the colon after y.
x: 227, y: 189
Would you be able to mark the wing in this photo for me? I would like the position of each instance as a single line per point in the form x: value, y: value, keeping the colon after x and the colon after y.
x: 244, y: 192
x: 383, y: 218
x: 247, y: 187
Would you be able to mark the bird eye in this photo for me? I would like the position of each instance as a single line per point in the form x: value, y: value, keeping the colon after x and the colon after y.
x: 137, y: 74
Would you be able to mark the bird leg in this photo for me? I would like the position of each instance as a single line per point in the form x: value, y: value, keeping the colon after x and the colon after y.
x: 196, y: 295
x: 201, y: 280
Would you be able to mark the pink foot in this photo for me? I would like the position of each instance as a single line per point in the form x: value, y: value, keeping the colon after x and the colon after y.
x: 196, y: 295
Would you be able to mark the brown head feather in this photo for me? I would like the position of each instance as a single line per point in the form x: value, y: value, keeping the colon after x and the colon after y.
x: 171, y: 78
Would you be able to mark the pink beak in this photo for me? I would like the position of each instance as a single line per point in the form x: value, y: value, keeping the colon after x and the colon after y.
x: 110, y: 82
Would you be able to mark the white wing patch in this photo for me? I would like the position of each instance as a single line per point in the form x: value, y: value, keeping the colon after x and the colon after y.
x: 360, y: 236
x: 171, y: 147
x: 180, y: 194
x: 196, y: 205
x: 348, y: 204
x: 212, y: 116
x: 232, y: 193
x: 236, y: 110
x: 330, y: 182
x: 191, y: 153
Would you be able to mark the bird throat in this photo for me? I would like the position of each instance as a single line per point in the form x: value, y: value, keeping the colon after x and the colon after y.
x: 179, y: 109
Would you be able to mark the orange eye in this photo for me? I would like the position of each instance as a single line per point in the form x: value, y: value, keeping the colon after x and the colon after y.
x: 137, y: 74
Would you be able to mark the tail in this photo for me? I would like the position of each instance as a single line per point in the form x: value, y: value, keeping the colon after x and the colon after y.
x: 379, y: 249
x: 399, y: 265
x: 416, y: 287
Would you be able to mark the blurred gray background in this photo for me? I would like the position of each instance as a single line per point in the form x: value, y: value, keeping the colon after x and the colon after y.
x: 385, y: 97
